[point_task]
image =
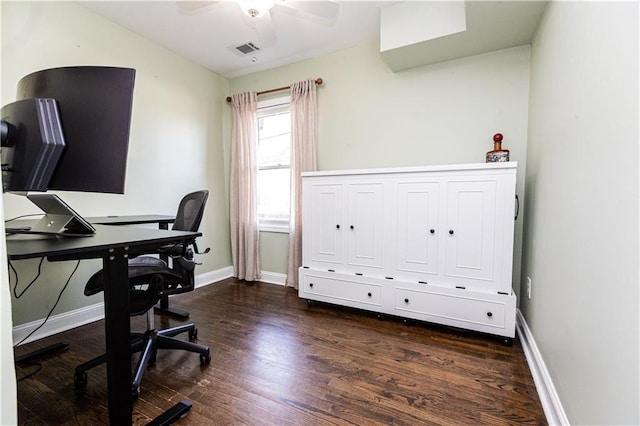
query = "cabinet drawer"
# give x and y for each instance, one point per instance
(343, 290)
(449, 309)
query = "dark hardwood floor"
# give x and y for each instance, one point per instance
(276, 361)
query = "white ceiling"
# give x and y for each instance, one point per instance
(206, 36)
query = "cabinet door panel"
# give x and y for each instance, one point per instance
(417, 225)
(470, 239)
(327, 243)
(365, 233)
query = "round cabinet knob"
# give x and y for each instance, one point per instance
(450, 231)
(433, 231)
(310, 284)
(337, 226)
(369, 294)
(352, 227)
(489, 314)
(406, 300)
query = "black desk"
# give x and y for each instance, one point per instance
(163, 221)
(114, 245)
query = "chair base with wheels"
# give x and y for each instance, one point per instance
(146, 281)
(163, 308)
(147, 344)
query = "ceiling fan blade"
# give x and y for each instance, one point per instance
(327, 9)
(265, 30)
(191, 7)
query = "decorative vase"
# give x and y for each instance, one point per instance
(498, 154)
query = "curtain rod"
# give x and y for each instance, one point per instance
(318, 80)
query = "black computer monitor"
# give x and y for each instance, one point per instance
(32, 143)
(95, 106)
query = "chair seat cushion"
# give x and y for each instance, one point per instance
(147, 261)
(148, 277)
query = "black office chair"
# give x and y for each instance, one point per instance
(188, 218)
(150, 279)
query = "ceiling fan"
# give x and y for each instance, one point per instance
(258, 13)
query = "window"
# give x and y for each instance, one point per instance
(274, 163)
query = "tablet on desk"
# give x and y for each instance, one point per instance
(59, 218)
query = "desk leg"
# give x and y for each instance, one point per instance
(117, 331)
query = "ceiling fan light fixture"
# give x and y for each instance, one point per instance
(256, 8)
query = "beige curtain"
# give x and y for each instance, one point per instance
(304, 140)
(243, 190)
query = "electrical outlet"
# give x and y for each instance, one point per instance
(529, 287)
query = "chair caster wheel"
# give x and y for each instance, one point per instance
(205, 358)
(309, 302)
(193, 334)
(135, 393)
(80, 380)
(507, 341)
(406, 321)
(380, 316)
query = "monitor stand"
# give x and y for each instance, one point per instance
(59, 218)
(59, 224)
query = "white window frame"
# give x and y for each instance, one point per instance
(266, 224)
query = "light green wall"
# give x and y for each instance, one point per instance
(440, 114)
(445, 113)
(175, 142)
(273, 252)
(581, 218)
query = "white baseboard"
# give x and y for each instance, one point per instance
(85, 315)
(273, 277)
(213, 276)
(58, 323)
(221, 274)
(265, 277)
(551, 403)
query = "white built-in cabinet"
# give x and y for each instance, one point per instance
(428, 243)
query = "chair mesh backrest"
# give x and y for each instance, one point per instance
(190, 211)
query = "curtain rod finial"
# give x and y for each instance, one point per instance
(319, 80)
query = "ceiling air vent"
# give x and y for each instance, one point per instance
(246, 48)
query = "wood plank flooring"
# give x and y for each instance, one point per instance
(277, 361)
